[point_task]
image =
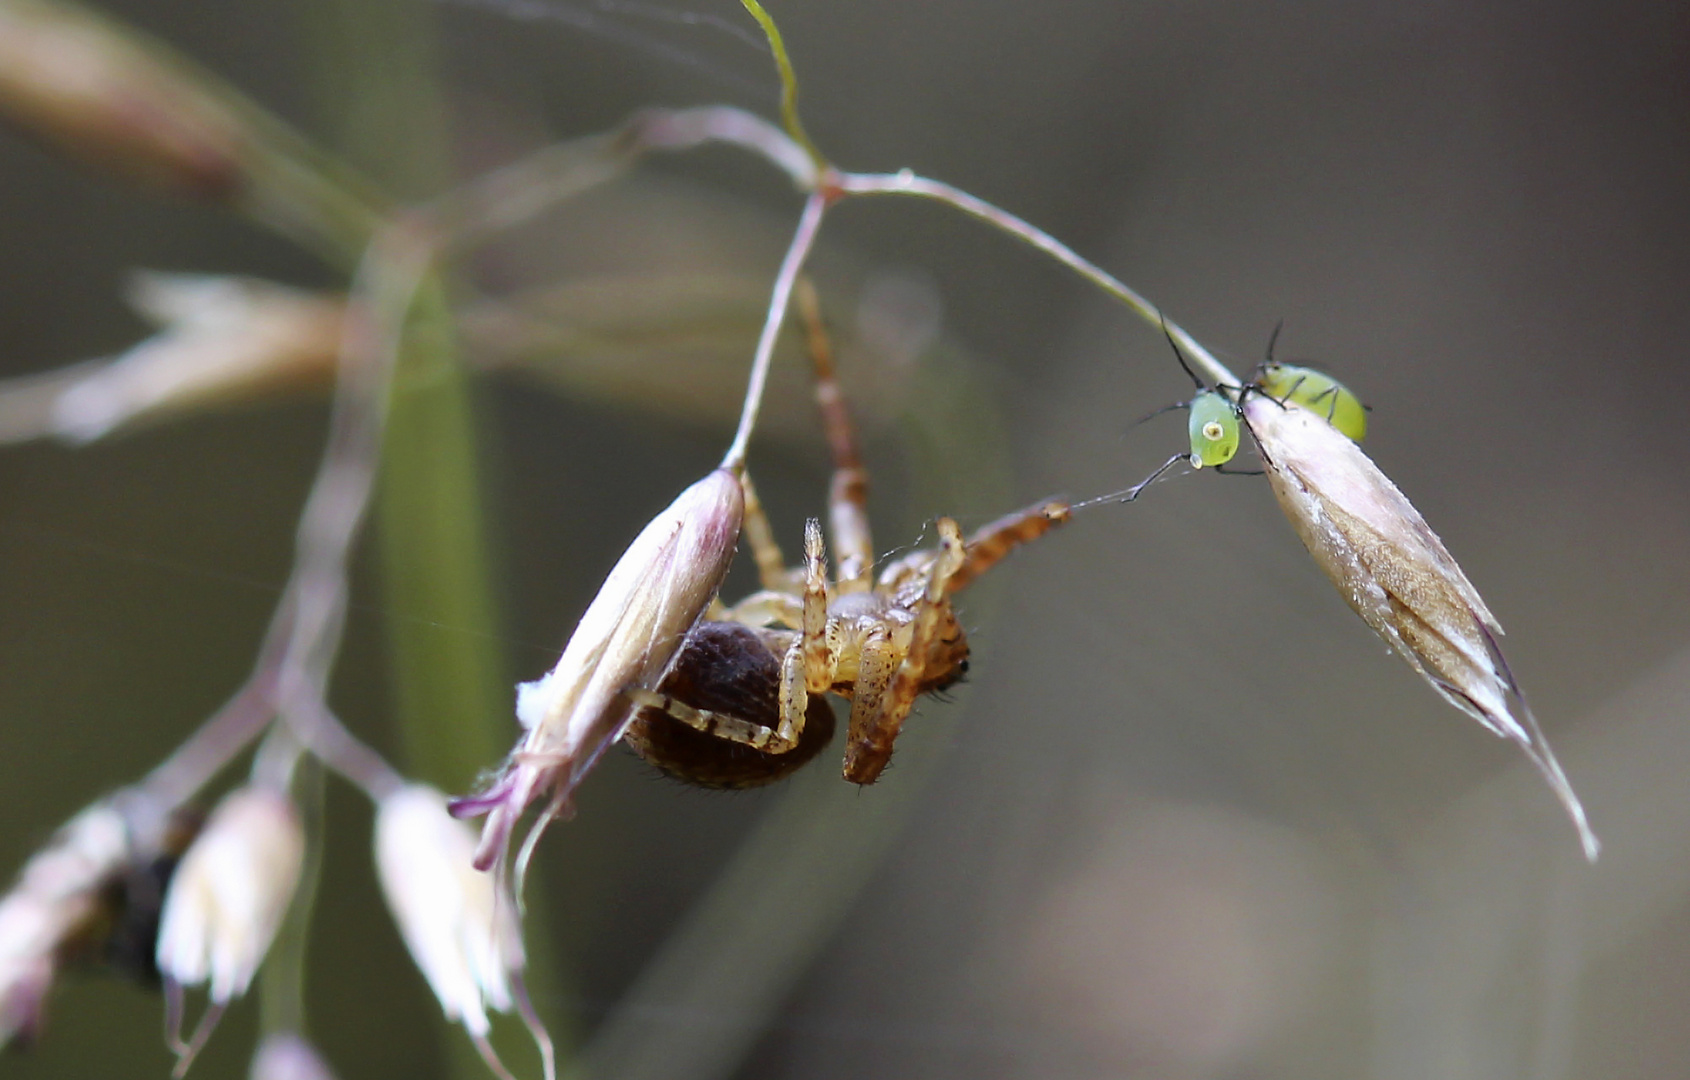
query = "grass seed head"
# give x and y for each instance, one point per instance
(461, 933)
(1393, 570)
(220, 339)
(79, 85)
(226, 901)
(286, 1055)
(56, 898)
(627, 638)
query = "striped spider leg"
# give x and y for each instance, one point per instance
(744, 703)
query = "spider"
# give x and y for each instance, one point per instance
(744, 702)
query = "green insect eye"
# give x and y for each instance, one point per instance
(1214, 429)
(1317, 392)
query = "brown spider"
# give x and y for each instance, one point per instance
(743, 703)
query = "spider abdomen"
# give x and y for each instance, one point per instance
(729, 669)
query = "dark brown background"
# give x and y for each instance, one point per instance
(1193, 822)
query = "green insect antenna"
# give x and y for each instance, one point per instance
(1185, 367)
(1273, 338)
(1214, 418)
(1214, 428)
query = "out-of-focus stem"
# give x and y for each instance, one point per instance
(192, 765)
(282, 979)
(529, 186)
(509, 196)
(376, 70)
(451, 694)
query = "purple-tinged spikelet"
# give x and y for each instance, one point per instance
(626, 639)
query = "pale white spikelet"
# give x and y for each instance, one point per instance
(626, 639)
(221, 338)
(1394, 571)
(463, 937)
(226, 902)
(57, 894)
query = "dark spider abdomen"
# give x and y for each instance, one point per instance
(728, 668)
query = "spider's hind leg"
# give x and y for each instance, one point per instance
(719, 718)
(720, 724)
(726, 682)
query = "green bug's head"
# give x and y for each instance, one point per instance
(1318, 392)
(1214, 429)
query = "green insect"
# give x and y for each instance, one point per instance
(1216, 418)
(1315, 390)
(1215, 429)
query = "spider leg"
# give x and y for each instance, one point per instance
(807, 666)
(767, 607)
(771, 564)
(847, 503)
(869, 745)
(816, 656)
(725, 725)
(877, 666)
(996, 539)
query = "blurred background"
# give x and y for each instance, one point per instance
(1187, 819)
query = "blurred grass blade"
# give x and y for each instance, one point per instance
(114, 98)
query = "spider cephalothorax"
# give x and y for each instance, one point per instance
(743, 703)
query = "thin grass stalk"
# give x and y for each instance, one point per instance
(376, 68)
(281, 983)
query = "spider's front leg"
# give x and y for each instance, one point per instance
(991, 542)
(847, 500)
(817, 657)
(808, 666)
(805, 667)
(876, 719)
